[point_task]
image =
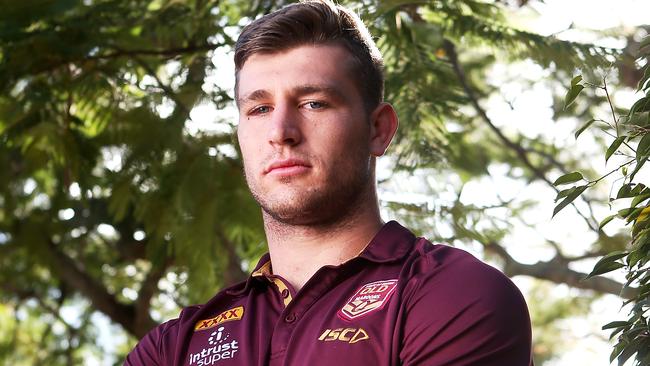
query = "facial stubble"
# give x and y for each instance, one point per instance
(335, 199)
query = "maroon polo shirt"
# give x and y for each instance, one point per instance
(402, 301)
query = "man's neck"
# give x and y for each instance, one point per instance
(298, 251)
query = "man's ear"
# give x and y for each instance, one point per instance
(383, 124)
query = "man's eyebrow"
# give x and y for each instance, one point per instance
(258, 94)
(299, 91)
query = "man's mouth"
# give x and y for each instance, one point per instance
(287, 167)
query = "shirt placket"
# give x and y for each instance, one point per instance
(296, 305)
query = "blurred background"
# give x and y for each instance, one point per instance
(121, 190)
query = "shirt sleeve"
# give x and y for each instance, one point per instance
(463, 312)
(149, 351)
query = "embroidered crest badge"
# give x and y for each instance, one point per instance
(370, 297)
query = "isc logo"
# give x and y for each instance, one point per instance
(348, 335)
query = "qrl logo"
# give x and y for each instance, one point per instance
(373, 289)
(348, 335)
(370, 297)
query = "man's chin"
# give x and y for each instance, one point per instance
(290, 215)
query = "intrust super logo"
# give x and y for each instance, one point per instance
(347, 335)
(228, 315)
(221, 346)
(370, 297)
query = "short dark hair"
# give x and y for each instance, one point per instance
(316, 22)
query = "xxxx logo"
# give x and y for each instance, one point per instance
(348, 335)
(228, 315)
(370, 297)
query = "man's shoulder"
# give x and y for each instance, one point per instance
(461, 310)
(444, 270)
(194, 313)
(159, 344)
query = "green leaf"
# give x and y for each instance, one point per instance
(643, 148)
(584, 127)
(120, 199)
(637, 168)
(624, 212)
(641, 105)
(638, 199)
(639, 214)
(569, 198)
(628, 351)
(605, 268)
(616, 351)
(576, 80)
(568, 178)
(625, 191)
(630, 213)
(607, 264)
(615, 324)
(614, 146)
(563, 193)
(614, 333)
(632, 259)
(643, 83)
(605, 221)
(572, 94)
(631, 190)
(638, 189)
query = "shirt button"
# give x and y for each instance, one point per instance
(290, 318)
(285, 293)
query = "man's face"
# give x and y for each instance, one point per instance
(304, 134)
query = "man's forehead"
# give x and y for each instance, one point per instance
(315, 65)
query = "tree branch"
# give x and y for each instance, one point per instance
(168, 91)
(143, 321)
(116, 53)
(171, 52)
(521, 153)
(558, 272)
(70, 273)
(234, 272)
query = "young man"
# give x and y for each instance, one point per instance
(338, 287)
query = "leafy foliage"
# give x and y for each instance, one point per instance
(113, 202)
(631, 142)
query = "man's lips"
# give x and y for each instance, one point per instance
(287, 166)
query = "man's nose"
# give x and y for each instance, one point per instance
(285, 126)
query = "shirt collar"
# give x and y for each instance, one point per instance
(263, 267)
(261, 271)
(391, 243)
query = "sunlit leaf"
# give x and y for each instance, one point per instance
(643, 148)
(584, 127)
(568, 178)
(615, 324)
(569, 198)
(572, 94)
(607, 264)
(614, 146)
(605, 221)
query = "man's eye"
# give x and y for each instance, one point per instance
(261, 110)
(315, 105)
